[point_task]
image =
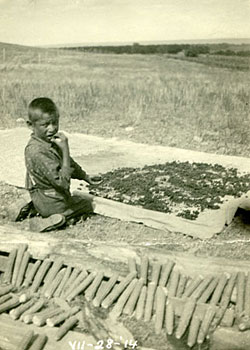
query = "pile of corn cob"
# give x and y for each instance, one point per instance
(178, 304)
(43, 292)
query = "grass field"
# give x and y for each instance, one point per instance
(150, 99)
(145, 98)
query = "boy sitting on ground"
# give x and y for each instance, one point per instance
(50, 168)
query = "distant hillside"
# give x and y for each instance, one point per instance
(15, 54)
(216, 54)
(157, 42)
(17, 46)
(187, 49)
(239, 41)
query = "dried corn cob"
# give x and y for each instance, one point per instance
(131, 303)
(244, 325)
(20, 252)
(91, 291)
(156, 270)
(240, 293)
(39, 343)
(100, 288)
(185, 318)
(41, 318)
(40, 275)
(165, 273)
(27, 318)
(55, 268)
(193, 330)
(115, 293)
(29, 277)
(16, 313)
(47, 308)
(206, 321)
(5, 289)
(173, 283)
(81, 276)
(132, 265)
(225, 299)
(192, 286)
(67, 325)
(226, 296)
(26, 296)
(118, 308)
(169, 317)
(9, 304)
(63, 281)
(7, 276)
(26, 341)
(219, 289)
(75, 273)
(51, 289)
(28, 314)
(104, 291)
(234, 295)
(81, 287)
(23, 267)
(181, 286)
(208, 292)
(149, 301)
(228, 317)
(201, 288)
(247, 295)
(139, 312)
(57, 319)
(160, 309)
(144, 269)
(5, 297)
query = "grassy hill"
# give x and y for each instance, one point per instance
(20, 54)
(159, 99)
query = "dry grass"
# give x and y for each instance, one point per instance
(162, 100)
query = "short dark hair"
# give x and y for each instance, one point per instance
(41, 105)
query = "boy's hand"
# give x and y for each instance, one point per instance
(61, 141)
(93, 179)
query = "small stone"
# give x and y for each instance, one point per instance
(20, 120)
(197, 139)
(129, 128)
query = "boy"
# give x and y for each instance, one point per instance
(50, 168)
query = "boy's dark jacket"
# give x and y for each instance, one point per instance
(45, 179)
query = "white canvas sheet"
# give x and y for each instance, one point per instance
(98, 155)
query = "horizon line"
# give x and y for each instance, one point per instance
(140, 42)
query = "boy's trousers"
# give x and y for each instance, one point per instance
(49, 202)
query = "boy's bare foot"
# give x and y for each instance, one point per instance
(53, 222)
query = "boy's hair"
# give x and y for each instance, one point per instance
(39, 106)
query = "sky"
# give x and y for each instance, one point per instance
(51, 22)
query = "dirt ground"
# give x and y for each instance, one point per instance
(233, 242)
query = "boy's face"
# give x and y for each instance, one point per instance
(46, 126)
